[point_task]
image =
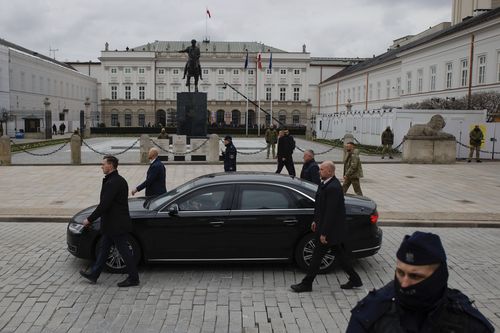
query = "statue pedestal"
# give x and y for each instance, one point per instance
(429, 150)
(192, 114)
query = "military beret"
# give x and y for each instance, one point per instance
(421, 248)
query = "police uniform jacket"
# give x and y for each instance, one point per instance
(230, 157)
(113, 205)
(378, 312)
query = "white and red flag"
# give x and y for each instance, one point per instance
(259, 61)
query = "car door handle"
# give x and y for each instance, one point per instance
(290, 222)
(216, 224)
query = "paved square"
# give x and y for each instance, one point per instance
(41, 290)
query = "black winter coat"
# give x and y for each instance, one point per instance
(329, 212)
(378, 312)
(310, 172)
(113, 205)
(286, 145)
(230, 157)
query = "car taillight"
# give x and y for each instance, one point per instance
(374, 217)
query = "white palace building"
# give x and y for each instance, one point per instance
(138, 86)
(446, 62)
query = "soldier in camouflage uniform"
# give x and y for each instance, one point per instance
(387, 142)
(476, 138)
(352, 170)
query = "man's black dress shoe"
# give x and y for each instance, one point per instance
(351, 285)
(88, 276)
(301, 287)
(128, 283)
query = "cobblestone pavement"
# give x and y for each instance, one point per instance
(41, 290)
(114, 145)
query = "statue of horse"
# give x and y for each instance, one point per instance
(192, 69)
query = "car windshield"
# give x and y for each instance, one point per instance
(160, 201)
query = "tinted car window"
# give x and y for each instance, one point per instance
(164, 198)
(301, 201)
(263, 197)
(209, 198)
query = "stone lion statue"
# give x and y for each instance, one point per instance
(433, 129)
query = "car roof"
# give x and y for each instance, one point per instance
(248, 176)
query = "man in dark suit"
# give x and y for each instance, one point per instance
(286, 146)
(155, 177)
(115, 223)
(330, 230)
(310, 169)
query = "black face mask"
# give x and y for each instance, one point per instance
(425, 295)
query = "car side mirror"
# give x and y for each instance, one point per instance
(173, 210)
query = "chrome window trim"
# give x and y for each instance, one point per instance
(160, 211)
(367, 249)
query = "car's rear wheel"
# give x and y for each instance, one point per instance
(114, 261)
(304, 252)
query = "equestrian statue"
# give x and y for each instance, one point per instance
(192, 68)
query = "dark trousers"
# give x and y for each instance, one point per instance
(340, 256)
(121, 244)
(287, 163)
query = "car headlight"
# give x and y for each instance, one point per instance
(75, 228)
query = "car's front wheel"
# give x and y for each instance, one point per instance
(304, 252)
(114, 261)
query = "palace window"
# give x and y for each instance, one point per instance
(296, 94)
(433, 77)
(449, 75)
(114, 92)
(114, 119)
(236, 72)
(128, 70)
(283, 71)
(420, 80)
(482, 69)
(128, 90)
(268, 93)
(128, 120)
(464, 64)
(296, 72)
(161, 71)
(142, 92)
(142, 70)
(408, 83)
(282, 94)
(113, 70)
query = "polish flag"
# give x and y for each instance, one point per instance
(259, 61)
(208, 13)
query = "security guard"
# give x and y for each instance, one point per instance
(418, 300)
(229, 155)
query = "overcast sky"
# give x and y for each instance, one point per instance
(329, 28)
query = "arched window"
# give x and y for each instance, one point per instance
(251, 118)
(161, 118)
(296, 118)
(220, 117)
(235, 118)
(282, 117)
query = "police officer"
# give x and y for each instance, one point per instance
(229, 155)
(418, 300)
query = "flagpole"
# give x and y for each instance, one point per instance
(206, 24)
(258, 99)
(246, 94)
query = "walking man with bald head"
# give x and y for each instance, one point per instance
(155, 183)
(330, 229)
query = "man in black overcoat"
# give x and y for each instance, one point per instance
(329, 227)
(155, 177)
(115, 223)
(286, 146)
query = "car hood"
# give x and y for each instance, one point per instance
(135, 206)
